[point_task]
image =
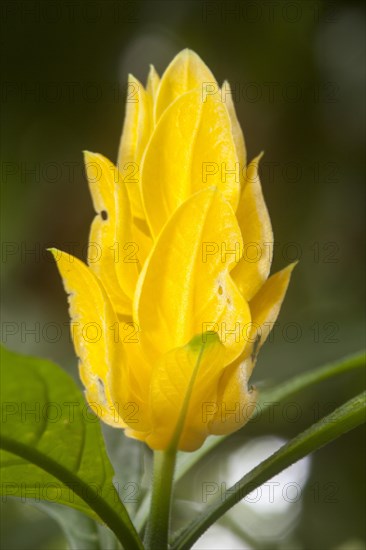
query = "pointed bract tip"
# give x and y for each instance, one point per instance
(187, 53)
(88, 154)
(132, 78)
(54, 251)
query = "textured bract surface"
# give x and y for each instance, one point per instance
(184, 250)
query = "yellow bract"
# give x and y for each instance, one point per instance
(255, 224)
(192, 147)
(169, 315)
(184, 290)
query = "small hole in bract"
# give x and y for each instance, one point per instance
(104, 215)
(101, 390)
(220, 291)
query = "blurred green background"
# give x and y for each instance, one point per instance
(298, 72)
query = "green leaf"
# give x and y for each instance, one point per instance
(52, 447)
(80, 530)
(342, 420)
(127, 456)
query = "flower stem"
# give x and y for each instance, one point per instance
(157, 531)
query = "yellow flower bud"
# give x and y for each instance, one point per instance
(169, 314)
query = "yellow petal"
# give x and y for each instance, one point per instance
(265, 308)
(130, 394)
(182, 383)
(143, 240)
(255, 225)
(235, 126)
(185, 287)
(266, 305)
(152, 84)
(128, 260)
(136, 132)
(186, 72)
(93, 321)
(191, 148)
(111, 237)
(235, 403)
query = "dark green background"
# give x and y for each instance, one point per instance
(299, 71)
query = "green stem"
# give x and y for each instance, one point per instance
(157, 530)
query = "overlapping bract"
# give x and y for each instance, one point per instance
(175, 302)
